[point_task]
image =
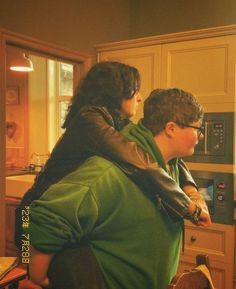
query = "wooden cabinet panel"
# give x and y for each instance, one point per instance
(11, 204)
(218, 243)
(204, 67)
(147, 60)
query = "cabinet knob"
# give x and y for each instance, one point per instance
(193, 238)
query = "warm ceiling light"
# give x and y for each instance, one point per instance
(22, 63)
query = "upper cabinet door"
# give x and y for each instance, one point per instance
(147, 60)
(204, 67)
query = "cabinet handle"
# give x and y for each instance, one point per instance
(193, 239)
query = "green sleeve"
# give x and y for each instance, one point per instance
(63, 215)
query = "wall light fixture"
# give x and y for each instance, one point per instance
(22, 63)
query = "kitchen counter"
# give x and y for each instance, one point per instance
(16, 171)
(17, 185)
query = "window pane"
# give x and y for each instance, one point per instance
(65, 79)
(62, 112)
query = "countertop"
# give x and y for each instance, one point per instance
(17, 171)
(18, 185)
(18, 181)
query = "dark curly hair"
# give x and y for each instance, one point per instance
(174, 104)
(106, 84)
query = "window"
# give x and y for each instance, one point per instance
(60, 92)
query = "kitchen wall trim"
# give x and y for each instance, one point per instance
(168, 38)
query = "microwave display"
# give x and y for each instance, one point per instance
(219, 126)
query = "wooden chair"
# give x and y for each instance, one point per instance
(193, 279)
(11, 280)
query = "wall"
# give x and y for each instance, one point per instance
(155, 17)
(38, 111)
(74, 24)
(16, 114)
(80, 24)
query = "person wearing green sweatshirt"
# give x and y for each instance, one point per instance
(133, 238)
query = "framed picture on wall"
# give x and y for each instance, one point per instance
(12, 95)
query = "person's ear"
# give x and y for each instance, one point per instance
(170, 128)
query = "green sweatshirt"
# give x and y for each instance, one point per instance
(133, 239)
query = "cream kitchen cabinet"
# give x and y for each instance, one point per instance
(147, 60)
(218, 243)
(204, 65)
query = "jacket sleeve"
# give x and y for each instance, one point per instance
(185, 177)
(53, 226)
(95, 126)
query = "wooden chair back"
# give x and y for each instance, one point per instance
(192, 279)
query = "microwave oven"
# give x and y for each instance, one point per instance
(217, 144)
(217, 189)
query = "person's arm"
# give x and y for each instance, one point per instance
(53, 226)
(38, 267)
(204, 219)
(185, 177)
(96, 128)
(190, 188)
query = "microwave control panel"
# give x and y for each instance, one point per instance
(217, 190)
(217, 144)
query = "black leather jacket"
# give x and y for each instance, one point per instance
(91, 132)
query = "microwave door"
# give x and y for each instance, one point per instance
(202, 146)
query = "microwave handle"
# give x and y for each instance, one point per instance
(206, 138)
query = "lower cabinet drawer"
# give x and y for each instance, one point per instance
(216, 241)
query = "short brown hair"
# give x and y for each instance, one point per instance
(174, 104)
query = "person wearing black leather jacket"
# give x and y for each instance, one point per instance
(92, 127)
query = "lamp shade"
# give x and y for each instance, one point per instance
(22, 63)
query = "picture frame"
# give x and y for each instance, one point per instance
(12, 95)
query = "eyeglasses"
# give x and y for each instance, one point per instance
(200, 129)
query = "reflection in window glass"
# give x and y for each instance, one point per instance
(65, 79)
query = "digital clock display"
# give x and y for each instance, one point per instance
(218, 125)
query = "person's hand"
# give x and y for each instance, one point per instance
(204, 219)
(38, 267)
(45, 283)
